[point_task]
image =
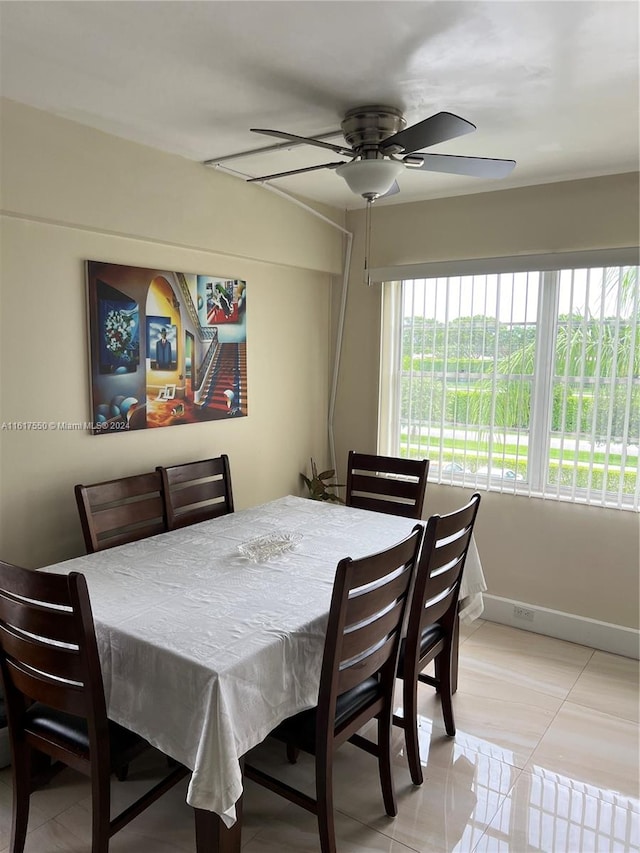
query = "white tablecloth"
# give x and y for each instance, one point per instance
(473, 585)
(204, 652)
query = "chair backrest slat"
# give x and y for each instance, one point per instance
(451, 524)
(197, 491)
(147, 513)
(118, 511)
(357, 641)
(67, 697)
(438, 607)
(112, 491)
(374, 600)
(385, 486)
(446, 553)
(388, 484)
(50, 622)
(54, 661)
(355, 674)
(190, 471)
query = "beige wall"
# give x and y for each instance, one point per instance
(580, 560)
(567, 216)
(71, 194)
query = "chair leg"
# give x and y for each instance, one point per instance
(446, 686)
(455, 643)
(410, 713)
(384, 764)
(292, 753)
(455, 653)
(21, 796)
(101, 806)
(122, 773)
(324, 797)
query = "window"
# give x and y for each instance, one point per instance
(525, 381)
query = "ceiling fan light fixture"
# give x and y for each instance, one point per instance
(370, 178)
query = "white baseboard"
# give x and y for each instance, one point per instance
(565, 626)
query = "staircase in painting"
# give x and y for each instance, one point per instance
(227, 375)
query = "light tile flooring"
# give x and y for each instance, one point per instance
(546, 758)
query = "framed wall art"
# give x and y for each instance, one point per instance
(166, 348)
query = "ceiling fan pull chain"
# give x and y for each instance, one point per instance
(367, 243)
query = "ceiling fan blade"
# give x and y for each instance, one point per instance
(393, 189)
(475, 167)
(438, 128)
(309, 140)
(297, 171)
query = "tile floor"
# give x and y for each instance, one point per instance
(546, 758)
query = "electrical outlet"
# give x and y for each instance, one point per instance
(523, 613)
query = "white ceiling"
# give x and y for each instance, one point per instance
(551, 84)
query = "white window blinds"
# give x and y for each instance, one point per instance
(526, 381)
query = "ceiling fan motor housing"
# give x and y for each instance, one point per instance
(365, 128)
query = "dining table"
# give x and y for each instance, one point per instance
(211, 635)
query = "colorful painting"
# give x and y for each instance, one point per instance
(118, 323)
(162, 344)
(166, 348)
(217, 304)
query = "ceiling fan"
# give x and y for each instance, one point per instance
(382, 147)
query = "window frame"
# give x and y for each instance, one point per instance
(540, 434)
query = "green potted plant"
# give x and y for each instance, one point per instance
(319, 487)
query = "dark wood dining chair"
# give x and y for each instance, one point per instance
(55, 698)
(433, 621)
(197, 491)
(119, 511)
(386, 484)
(357, 678)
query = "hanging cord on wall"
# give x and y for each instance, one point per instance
(343, 297)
